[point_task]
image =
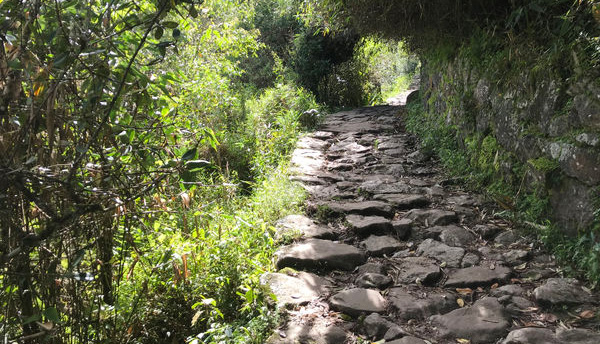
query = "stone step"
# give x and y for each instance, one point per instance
(357, 301)
(366, 208)
(483, 322)
(317, 254)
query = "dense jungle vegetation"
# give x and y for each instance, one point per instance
(143, 159)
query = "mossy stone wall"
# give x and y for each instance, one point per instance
(550, 124)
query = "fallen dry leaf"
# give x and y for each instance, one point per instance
(460, 302)
(587, 314)
(463, 341)
(464, 291)
(494, 286)
(516, 280)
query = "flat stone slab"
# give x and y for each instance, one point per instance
(422, 269)
(364, 225)
(403, 201)
(379, 245)
(533, 335)
(456, 236)
(300, 225)
(373, 280)
(477, 276)
(409, 306)
(441, 252)
(561, 291)
(433, 217)
(308, 142)
(357, 301)
(379, 188)
(314, 333)
(366, 208)
(295, 290)
(317, 254)
(484, 322)
(402, 227)
(577, 336)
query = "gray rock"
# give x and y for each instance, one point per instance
(531, 335)
(375, 268)
(376, 187)
(301, 225)
(380, 245)
(358, 300)
(403, 201)
(311, 143)
(292, 291)
(373, 280)
(432, 232)
(456, 236)
(364, 225)
(577, 336)
(561, 291)
(441, 252)
(509, 289)
(462, 200)
(516, 304)
(433, 217)
(402, 228)
(477, 276)
(506, 238)
(315, 333)
(515, 257)
(376, 326)
(419, 182)
(470, 259)
(411, 269)
(366, 208)
(408, 340)
(394, 332)
(435, 191)
(320, 254)
(487, 232)
(484, 322)
(546, 336)
(409, 306)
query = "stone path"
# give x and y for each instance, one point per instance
(392, 251)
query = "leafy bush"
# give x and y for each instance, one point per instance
(273, 124)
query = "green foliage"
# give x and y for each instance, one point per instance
(481, 162)
(139, 179)
(273, 124)
(578, 256)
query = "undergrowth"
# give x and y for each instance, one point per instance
(486, 167)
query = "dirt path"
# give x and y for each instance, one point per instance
(392, 250)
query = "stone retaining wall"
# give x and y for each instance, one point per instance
(549, 120)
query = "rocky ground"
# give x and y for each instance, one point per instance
(391, 250)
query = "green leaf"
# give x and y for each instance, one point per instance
(193, 12)
(159, 32)
(176, 33)
(170, 24)
(61, 59)
(51, 314)
(189, 155)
